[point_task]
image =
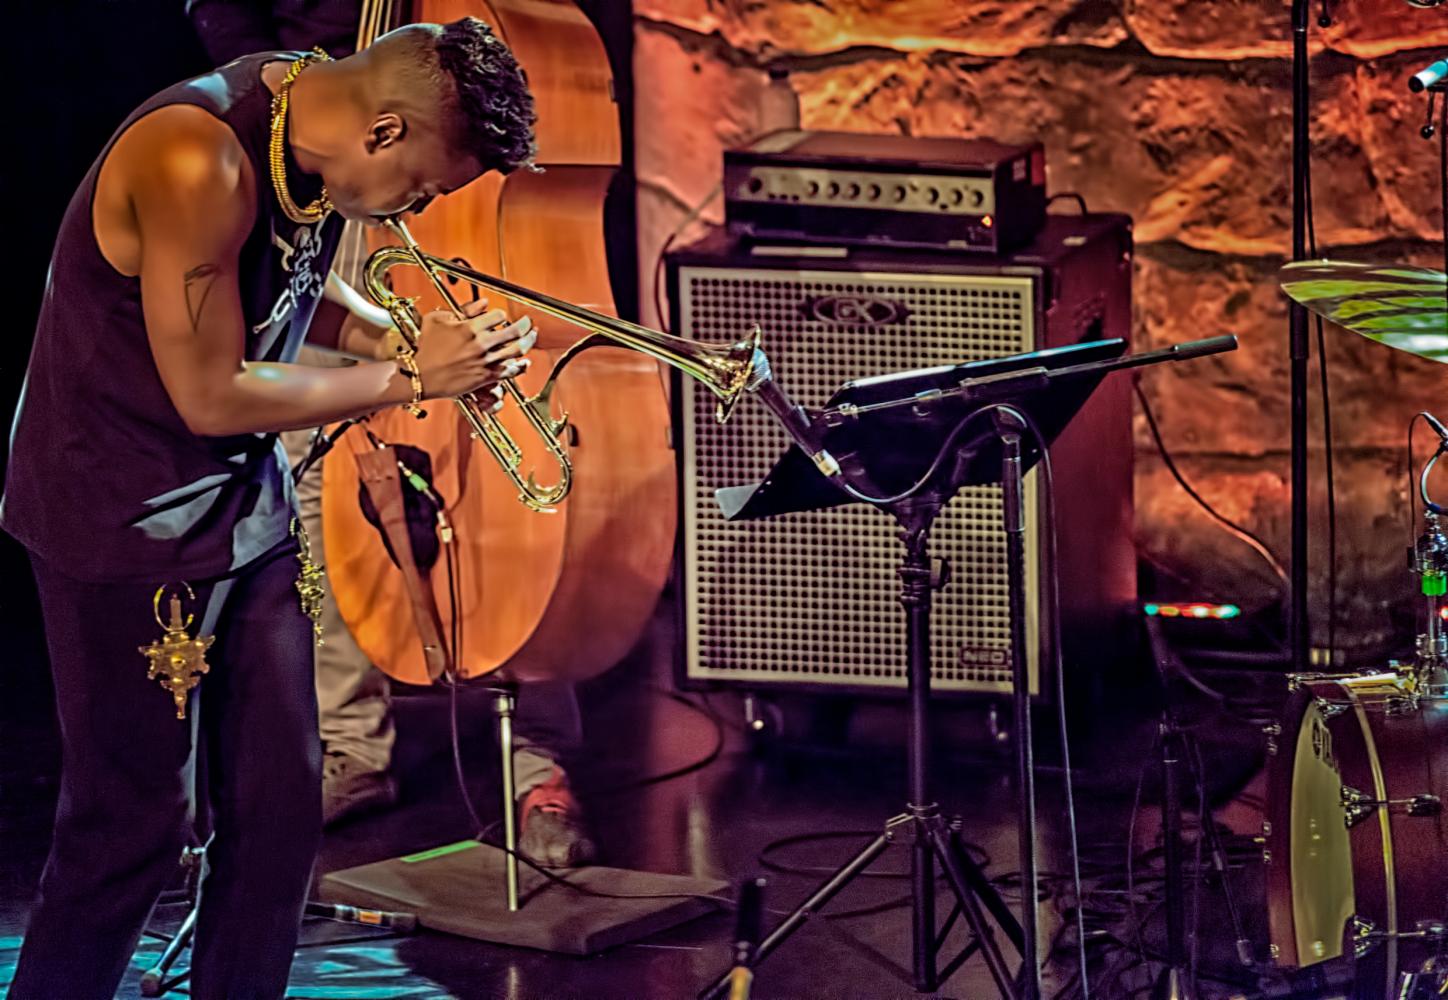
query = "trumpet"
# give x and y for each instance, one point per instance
(727, 370)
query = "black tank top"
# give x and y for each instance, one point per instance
(104, 480)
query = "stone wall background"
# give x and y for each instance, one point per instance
(1178, 113)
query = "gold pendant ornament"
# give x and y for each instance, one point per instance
(177, 660)
(309, 580)
(276, 151)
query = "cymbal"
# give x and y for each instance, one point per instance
(1397, 305)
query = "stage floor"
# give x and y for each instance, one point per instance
(829, 772)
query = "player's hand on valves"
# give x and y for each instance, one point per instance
(457, 356)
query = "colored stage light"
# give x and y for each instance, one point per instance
(1195, 609)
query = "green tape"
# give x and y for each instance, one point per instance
(437, 852)
(1435, 584)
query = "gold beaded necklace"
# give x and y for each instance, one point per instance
(319, 208)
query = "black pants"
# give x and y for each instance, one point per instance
(126, 792)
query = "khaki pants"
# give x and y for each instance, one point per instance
(353, 696)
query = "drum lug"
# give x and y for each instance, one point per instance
(1274, 952)
(1364, 936)
(1398, 707)
(1357, 806)
(1330, 709)
(1272, 730)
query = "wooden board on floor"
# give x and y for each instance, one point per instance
(459, 889)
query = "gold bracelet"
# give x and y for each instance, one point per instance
(408, 366)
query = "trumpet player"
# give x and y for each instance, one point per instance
(146, 481)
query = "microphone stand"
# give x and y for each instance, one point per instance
(1301, 634)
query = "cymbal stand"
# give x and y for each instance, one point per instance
(1429, 558)
(1175, 981)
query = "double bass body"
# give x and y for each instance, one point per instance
(561, 595)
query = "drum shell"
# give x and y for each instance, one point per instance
(1385, 748)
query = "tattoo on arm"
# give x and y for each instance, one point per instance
(198, 286)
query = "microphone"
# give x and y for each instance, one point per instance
(1333, 977)
(746, 936)
(794, 418)
(1425, 78)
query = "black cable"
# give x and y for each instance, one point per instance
(1412, 486)
(1242, 533)
(478, 825)
(945, 451)
(320, 444)
(1428, 504)
(481, 837)
(1069, 196)
(678, 772)
(668, 244)
(1196, 923)
(1331, 496)
(1326, 439)
(1136, 922)
(763, 859)
(1048, 484)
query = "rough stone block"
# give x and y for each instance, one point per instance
(770, 28)
(1197, 157)
(1243, 29)
(1231, 404)
(1376, 606)
(693, 107)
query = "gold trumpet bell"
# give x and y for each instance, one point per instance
(728, 371)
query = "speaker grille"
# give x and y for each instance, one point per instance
(812, 599)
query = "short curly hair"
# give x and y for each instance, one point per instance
(492, 111)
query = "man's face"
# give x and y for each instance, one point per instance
(395, 170)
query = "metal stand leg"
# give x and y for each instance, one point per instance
(153, 981)
(1174, 983)
(932, 841)
(916, 586)
(947, 849)
(1009, 426)
(504, 702)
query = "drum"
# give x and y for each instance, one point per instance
(1355, 833)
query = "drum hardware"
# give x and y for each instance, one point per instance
(1429, 983)
(1176, 981)
(1363, 934)
(1358, 806)
(1424, 930)
(1431, 979)
(1429, 557)
(1362, 747)
(1400, 706)
(1272, 730)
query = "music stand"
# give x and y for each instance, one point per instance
(906, 444)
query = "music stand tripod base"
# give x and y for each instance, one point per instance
(901, 446)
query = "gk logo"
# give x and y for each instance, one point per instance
(855, 310)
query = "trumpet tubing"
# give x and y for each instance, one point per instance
(727, 370)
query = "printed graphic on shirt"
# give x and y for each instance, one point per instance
(300, 259)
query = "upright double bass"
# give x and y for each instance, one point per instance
(544, 595)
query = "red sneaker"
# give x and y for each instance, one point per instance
(551, 828)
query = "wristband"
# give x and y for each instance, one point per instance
(407, 364)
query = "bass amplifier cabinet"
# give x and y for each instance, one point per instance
(810, 601)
